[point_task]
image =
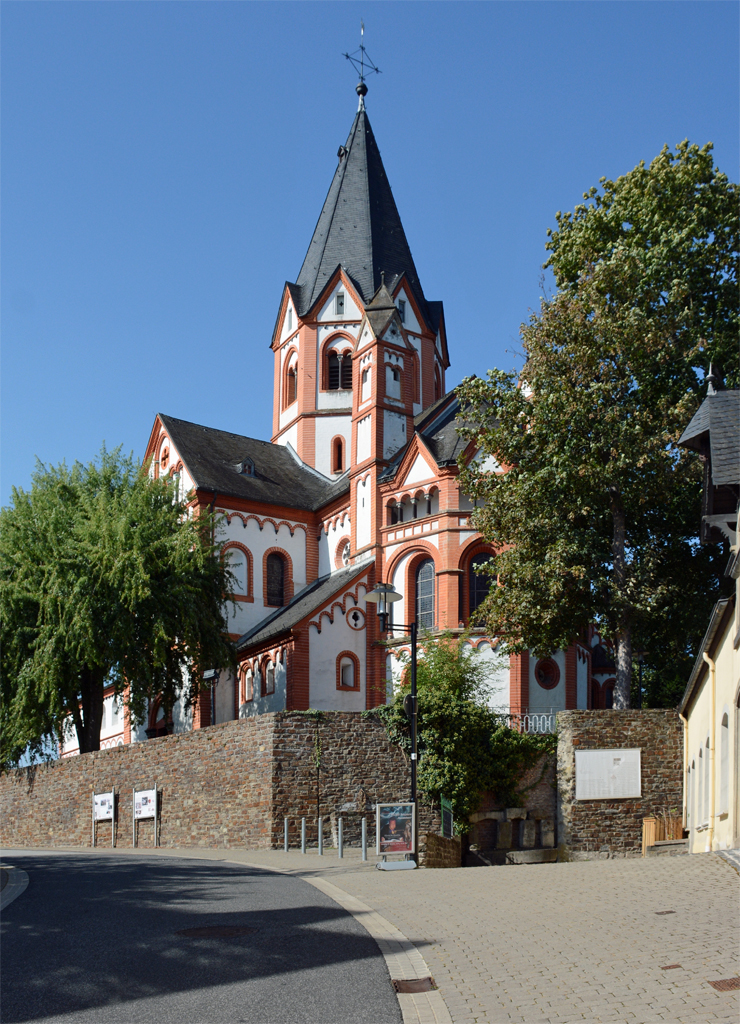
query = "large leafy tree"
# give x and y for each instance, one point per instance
(105, 578)
(465, 747)
(597, 509)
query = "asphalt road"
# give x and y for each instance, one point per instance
(95, 940)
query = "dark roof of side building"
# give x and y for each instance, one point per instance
(213, 459)
(718, 421)
(436, 426)
(720, 614)
(308, 600)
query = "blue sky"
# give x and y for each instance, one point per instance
(164, 164)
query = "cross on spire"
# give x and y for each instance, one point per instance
(363, 65)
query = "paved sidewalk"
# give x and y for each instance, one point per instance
(555, 943)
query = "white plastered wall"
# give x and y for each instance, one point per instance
(364, 512)
(324, 649)
(327, 428)
(394, 432)
(541, 699)
(328, 542)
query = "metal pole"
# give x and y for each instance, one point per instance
(321, 838)
(303, 835)
(414, 629)
(340, 828)
(113, 820)
(364, 838)
(285, 834)
(156, 815)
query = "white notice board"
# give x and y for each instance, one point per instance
(608, 774)
(145, 803)
(103, 806)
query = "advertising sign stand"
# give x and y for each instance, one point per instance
(395, 832)
(104, 809)
(145, 805)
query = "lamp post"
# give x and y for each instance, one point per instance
(383, 595)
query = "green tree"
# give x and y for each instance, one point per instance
(465, 747)
(597, 512)
(104, 579)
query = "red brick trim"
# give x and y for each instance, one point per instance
(356, 661)
(287, 578)
(550, 670)
(261, 520)
(249, 596)
(519, 682)
(326, 345)
(338, 563)
(298, 696)
(285, 404)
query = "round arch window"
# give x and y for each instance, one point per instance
(547, 673)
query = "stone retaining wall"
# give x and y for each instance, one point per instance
(224, 786)
(591, 829)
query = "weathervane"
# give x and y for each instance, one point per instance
(363, 65)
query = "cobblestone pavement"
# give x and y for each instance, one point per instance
(556, 943)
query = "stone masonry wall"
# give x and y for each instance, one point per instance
(229, 785)
(591, 829)
(531, 826)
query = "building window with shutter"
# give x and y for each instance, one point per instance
(275, 572)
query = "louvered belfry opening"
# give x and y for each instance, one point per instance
(275, 569)
(340, 372)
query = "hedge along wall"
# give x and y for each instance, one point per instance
(591, 829)
(224, 786)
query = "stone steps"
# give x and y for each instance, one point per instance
(668, 848)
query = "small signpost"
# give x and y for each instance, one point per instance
(395, 832)
(146, 805)
(104, 809)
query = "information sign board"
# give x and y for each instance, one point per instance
(608, 774)
(145, 804)
(394, 827)
(103, 804)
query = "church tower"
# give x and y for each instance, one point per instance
(341, 399)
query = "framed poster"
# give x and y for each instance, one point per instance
(103, 804)
(145, 804)
(395, 828)
(608, 774)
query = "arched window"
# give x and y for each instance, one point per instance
(339, 375)
(249, 685)
(275, 571)
(480, 582)
(337, 455)
(707, 782)
(269, 678)
(724, 764)
(392, 381)
(425, 594)
(348, 671)
(290, 386)
(366, 383)
(609, 698)
(239, 569)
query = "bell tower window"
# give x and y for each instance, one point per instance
(290, 386)
(337, 455)
(339, 367)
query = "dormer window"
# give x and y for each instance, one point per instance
(339, 304)
(245, 467)
(402, 310)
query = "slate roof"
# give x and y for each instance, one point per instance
(359, 228)
(211, 457)
(719, 418)
(437, 429)
(308, 600)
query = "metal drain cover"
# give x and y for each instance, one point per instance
(413, 984)
(726, 985)
(219, 931)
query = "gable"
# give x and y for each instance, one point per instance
(419, 472)
(327, 311)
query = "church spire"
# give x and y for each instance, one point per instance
(359, 227)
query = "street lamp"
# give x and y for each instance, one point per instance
(383, 595)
